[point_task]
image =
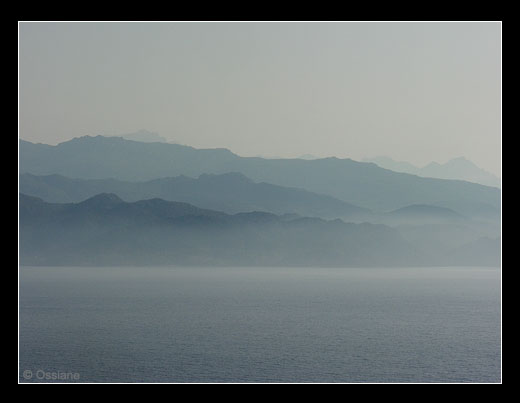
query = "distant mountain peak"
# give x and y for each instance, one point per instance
(461, 159)
(102, 200)
(459, 168)
(144, 136)
(235, 176)
(308, 157)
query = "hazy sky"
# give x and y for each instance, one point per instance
(417, 92)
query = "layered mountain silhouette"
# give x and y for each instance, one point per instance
(231, 193)
(362, 184)
(109, 200)
(421, 214)
(105, 230)
(144, 136)
(439, 231)
(456, 168)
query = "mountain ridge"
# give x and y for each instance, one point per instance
(104, 230)
(458, 168)
(230, 192)
(155, 231)
(359, 183)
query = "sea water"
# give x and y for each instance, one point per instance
(192, 324)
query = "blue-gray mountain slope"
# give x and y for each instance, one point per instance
(362, 184)
(105, 230)
(230, 193)
(456, 168)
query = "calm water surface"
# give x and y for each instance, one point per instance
(129, 324)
